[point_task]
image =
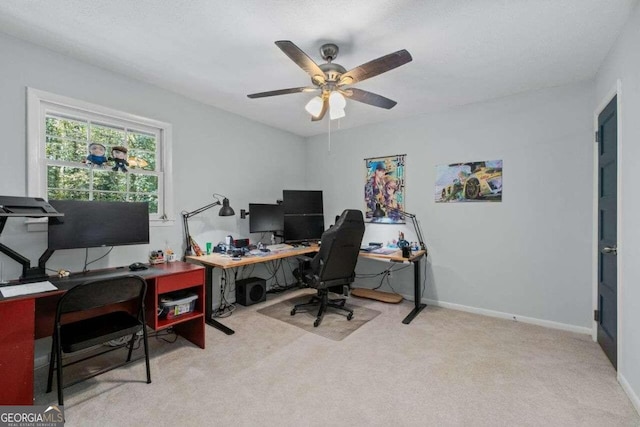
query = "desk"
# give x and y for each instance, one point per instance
(415, 259)
(224, 262)
(28, 317)
(216, 260)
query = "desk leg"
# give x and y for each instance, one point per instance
(208, 312)
(416, 293)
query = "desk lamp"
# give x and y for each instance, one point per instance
(225, 210)
(379, 213)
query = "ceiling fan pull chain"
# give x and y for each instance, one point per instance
(329, 140)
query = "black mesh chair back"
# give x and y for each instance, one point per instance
(94, 313)
(334, 264)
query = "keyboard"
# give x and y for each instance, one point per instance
(279, 247)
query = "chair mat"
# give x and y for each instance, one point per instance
(334, 326)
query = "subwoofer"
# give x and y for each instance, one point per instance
(251, 291)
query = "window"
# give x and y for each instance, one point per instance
(83, 151)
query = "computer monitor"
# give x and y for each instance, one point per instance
(265, 218)
(91, 224)
(302, 202)
(303, 228)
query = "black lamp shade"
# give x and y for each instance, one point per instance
(226, 210)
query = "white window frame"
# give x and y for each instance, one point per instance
(40, 103)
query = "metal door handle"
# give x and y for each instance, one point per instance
(610, 250)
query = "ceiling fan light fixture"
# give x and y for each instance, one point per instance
(330, 78)
(314, 107)
(336, 113)
(337, 101)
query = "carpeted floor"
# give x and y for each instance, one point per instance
(447, 368)
(334, 325)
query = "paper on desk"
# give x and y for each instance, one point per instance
(384, 251)
(28, 288)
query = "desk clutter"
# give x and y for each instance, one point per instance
(160, 256)
(242, 247)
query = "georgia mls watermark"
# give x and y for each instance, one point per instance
(32, 416)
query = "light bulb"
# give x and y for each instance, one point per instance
(336, 113)
(337, 101)
(314, 107)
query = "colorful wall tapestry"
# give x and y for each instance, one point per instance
(384, 186)
(469, 182)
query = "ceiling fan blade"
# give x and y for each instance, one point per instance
(369, 98)
(325, 107)
(375, 67)
(302, 59)
(282, 92)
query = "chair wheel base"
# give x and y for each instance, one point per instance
(323, 302)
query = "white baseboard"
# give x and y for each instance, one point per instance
(633, 397)
(501, 315)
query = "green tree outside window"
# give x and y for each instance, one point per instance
(69, 176)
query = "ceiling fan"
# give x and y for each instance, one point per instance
(332, 80)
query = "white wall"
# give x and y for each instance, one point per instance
(213, 151)
(529, 255)
(623, 63)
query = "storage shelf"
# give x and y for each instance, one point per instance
(166, 323)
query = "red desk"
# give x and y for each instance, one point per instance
(26, 318)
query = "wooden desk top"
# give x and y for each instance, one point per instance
(395, 257)
(218, 260)
(225, 261)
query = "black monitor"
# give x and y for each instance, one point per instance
(91, 224)
(302, 202)
(265, 218)
(303, 228)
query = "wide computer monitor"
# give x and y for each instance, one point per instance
(303, 228)
(264, 218)
(298, 202)
(91, 224)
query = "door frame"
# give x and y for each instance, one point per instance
(616, 91)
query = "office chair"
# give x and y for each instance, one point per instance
(334, 265)
(94, 313)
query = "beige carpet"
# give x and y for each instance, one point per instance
(334, 326)
(447, 368)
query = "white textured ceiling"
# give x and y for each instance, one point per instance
(217, 52)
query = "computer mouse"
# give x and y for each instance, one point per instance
(137, 266)
(265, 250)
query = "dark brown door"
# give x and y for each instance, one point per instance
(607, 228)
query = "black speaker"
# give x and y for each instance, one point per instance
(251, 291)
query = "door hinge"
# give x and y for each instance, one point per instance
(596, 315)
(598, 136)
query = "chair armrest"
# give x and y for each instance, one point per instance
(304, 258)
